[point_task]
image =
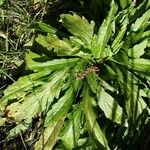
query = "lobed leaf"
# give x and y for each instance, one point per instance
(104, 33)
(39, 100)
(141, 22)
(138, 49)
(52, 42)
(92, 124)
(79, 27)
(22, 87)
(40, 26)
(50, 65)
(49, 136)
(59, 109)
(111, 108)
(71, 131)
(141, 65)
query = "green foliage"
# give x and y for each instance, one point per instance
(86, 86)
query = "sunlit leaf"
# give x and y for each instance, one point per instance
(79, 27)
(141, 65)
(138, 50)
(125, 3)
(142, 21)
(2, 121)
(117, 43)
(71, 130)
(52, 42)
(42, 27)
(22, 87)
(104, 33)
(110, 107)
(91, 119)
(135, 104)
(60, 109)
(19, 129)
(51, 65)
(39, 100)
(49, 136)
(1, 2)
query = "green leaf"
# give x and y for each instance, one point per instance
(52, 42)
(39, 100)
(93, 84)
(19, 129)
(117, 43)
(140, 65)
(134, 101)
(22, 87)
(110, 107)
(108, 73)
(141, 22)
(49, 136)
(104, 33)
(71, 131)
(134, 38)
(138, 50)
(2, 121)
(51, 65)
(90, 115)
(1, 2)
(60, 109)
(106, 102)
(79, 27)
(40, 26)
(125, 3)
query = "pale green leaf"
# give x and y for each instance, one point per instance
(60, 109)
(49, 136)
(79, 27)
(138, 50)
(2, 121)
(104, 33)
(38, 101)
(141, 22)
(71, 132)
(22, 87)
(1, 2)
